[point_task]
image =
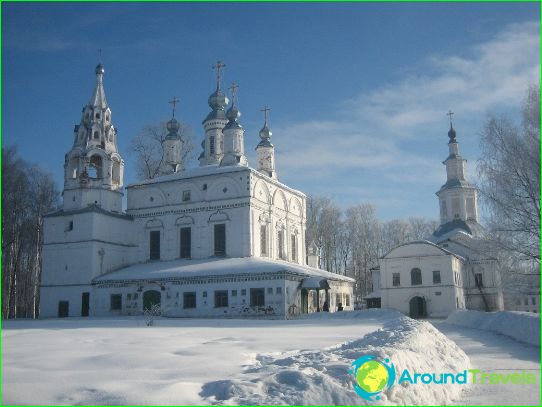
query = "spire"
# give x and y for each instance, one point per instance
(217, 100)
(451, 133)
(98, 96)
(172, 145)
(265, 149)
(233, 112)
(234, 147)
(265, 133)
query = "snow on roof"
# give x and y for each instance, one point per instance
(206, 170)
(212, 267)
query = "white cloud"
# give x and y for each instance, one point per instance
(379, 134)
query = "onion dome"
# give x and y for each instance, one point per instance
(451, 134)
(217, 100)
(100, 69)
(173, 127)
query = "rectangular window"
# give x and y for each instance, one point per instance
(294, 248)
(234, 293)
(347, 300)
(279, 290)
(280, 244)
(221, 299)
(220, 240)
(186, 243)
(189, 300)
(396, 279)
(269, 290)
(437, 293)
(154, 245)
(478, 280)
(204, 294)
(186, 196)
(263, 240)
(257, 297)
(69, 226)
(212, 145)
(243, 292)
(116, 302)
(436, 276)
(533, 301)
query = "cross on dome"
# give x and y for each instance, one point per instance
(218, 67)
(174, 102)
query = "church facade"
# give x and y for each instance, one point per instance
(222, 239)
(452, 269)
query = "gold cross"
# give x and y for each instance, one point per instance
(174, 103)
(265, 110)
(218, 67)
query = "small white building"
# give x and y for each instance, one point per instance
(452, 269)
(221, 239)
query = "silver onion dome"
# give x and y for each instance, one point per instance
(217, 100)
(100, 69)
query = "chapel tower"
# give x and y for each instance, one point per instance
(265, 149)
(213, 143)
(93, 168)
(233, 133)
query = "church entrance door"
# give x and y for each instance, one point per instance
(150, 298)
(418, 308)
(304, 301)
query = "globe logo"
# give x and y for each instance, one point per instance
(372, 376)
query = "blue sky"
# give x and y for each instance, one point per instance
(358, 91)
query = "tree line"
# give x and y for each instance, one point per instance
(352, 241)
(28, 193)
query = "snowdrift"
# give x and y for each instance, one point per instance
(321, 377)
(522, 326)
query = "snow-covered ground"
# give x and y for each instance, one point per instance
(233, 361)
(491, 352)
(122, 361)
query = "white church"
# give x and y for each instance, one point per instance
(222, 239)
(452, 269)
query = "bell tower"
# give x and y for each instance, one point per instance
(457, 197)
(265, 149)
(93, 168)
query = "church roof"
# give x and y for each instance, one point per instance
(90, 208)
(470, 227)
(175, 269)
(456, 183)
(422, 242)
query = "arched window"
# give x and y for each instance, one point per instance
(96, 135)
(415, 276)
(116, 171)
(95, 167)
(263, 240)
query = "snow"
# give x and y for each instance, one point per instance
(522, 326)
(235, 361)
(122, 361)
(320, 377)
(194, 361)
(490, 352)
(206, 267)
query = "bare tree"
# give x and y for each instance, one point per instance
(510, 187)
(148, 147)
